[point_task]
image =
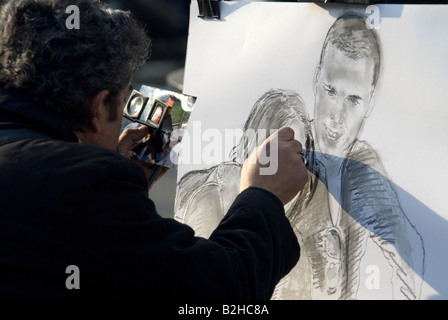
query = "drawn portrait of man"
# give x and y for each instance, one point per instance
(354, 201)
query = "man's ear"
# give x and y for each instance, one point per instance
(94, 104)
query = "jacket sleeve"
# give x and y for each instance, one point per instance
(125, 249)
(260, 244)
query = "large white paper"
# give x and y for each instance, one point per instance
(258, 46)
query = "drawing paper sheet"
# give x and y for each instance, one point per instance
(256, 46)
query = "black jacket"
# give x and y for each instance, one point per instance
(66, 203)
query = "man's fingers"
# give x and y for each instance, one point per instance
(296, 146)
(136, 134)
(285, 134)
(129, 139)
(290, 175)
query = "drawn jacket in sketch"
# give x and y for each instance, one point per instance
(204, 196)
(332, 253)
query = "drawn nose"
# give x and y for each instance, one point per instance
(336, 112)
(336, 118)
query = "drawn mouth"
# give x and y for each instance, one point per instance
(332, 135)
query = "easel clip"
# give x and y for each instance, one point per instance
(209, 9)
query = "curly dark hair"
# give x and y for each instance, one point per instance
(61, 68)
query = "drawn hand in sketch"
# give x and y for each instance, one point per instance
(354, 201)
(204, 196)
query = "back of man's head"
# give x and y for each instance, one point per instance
(61, 67)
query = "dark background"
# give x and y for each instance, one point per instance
(166, 22)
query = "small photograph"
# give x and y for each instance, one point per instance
(166, 113)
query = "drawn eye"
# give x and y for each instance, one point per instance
(353, 100)
(330, 91)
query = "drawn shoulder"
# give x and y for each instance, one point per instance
(363, 152)
(204, 196)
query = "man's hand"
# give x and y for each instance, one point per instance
(291, 175)
(128, 140)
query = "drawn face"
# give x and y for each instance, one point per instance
(342, 100)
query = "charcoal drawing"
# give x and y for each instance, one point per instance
(204, 196)
(354, 201)
(349, 204)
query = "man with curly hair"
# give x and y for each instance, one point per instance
(70, 197)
